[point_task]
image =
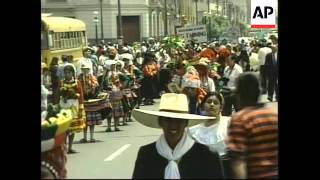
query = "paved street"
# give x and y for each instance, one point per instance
(114, 156)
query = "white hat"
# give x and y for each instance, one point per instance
(85, 66)
(108, 63)
(126, 56)
(172, 105)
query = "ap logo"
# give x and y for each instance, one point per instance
(263, 13)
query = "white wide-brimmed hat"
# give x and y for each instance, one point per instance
(172, 105)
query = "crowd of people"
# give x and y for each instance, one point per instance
(110, 82)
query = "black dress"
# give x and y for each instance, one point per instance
(198, 162)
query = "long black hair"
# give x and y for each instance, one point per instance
(218, 95)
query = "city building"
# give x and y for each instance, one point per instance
(142, 19)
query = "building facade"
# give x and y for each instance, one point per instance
(142, 19)
(136, 16)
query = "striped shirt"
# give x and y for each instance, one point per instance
(253, 135)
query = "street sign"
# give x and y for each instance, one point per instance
(196, 33)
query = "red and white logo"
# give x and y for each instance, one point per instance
(263, 13)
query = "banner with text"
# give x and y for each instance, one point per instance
(196, 33)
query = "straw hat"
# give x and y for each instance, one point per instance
(172, 105)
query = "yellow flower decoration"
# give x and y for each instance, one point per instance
(66, 113)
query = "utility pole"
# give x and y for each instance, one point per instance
(165, 19)
(101, 20)
(120, 36)
(196, 12)
(217, 5)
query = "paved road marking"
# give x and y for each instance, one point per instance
(117, 153)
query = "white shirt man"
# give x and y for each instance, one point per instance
(232, 75)
(262, 53)
(254, 61)
(82, 61)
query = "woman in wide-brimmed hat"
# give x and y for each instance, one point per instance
(175, 155)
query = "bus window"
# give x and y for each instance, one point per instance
(78, 39)
(44, 40)
(72, 39)
(50, 39)
(84, 38)
(68, 40)
(62, 39)
(58, 40)
(55, 41)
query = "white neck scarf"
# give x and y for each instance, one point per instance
(172, 170)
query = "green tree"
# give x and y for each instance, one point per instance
(218, 25)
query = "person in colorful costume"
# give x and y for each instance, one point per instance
(71, 97)
(90, 86)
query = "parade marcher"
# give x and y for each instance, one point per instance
(95, 60)
(116, 96)
(65, 61)
(132, 78)
(213, 133)
(231, 72)
(208, 53)
(150, 71)
(176, 85)
(102, 58)
(207, 84)
(53, 150)
(223, 54)
(127, 81)
(190, 87)
(164, 58)
(262, 53)
(54, 78)
(46, 77)
(271, 66)
(253, 134)
(71, 97)
(138, 60)
(44, 99)
(86, 59)
(175, 155)
(90, 87)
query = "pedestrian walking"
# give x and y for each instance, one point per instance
(231, 72)
(175, 155)
(253, 134)
(271, 66)
(262, 53)
(150, 71)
